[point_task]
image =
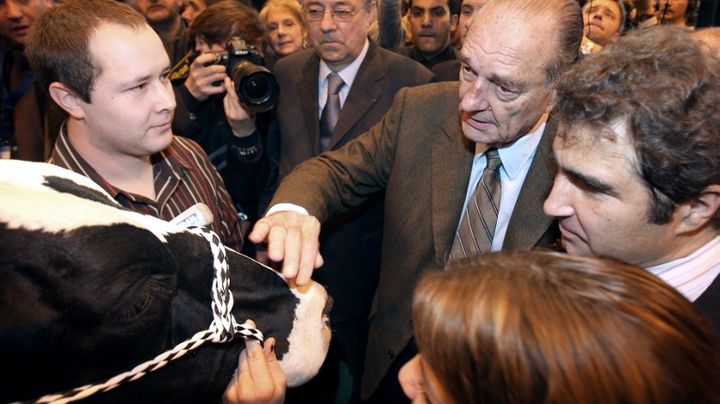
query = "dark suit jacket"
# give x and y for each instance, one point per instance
(350, 243)
(419, 155)
(709, 303)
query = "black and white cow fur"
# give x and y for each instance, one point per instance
(89, 290)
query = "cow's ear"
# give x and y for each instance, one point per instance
(67, 99)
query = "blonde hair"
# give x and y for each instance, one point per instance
(546, 327)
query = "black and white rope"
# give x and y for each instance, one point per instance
(222, 329)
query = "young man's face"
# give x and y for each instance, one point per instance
(672, 11)
(16, 17)
(467, 11)
(602, 202)
(132, 100)
(432, 25)
(602, 20)
(503, 81)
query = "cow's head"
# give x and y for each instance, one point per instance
(89, 290)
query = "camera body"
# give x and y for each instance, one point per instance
(254, 83)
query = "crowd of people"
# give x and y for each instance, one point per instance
(411, 151)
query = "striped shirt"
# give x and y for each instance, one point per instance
(183, 176)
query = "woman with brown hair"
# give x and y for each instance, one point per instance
(546, 327)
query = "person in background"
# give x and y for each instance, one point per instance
(209, 110)
(29, 121)
(286, 28)
(449, 70)
(164, 17)
(433, 23)
(192, 8)
(682, 13)
(604, 22)
(544, 327)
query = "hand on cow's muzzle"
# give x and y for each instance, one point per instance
(294, 239)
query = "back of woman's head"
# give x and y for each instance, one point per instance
(547, 327)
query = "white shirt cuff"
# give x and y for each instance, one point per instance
(286, 207)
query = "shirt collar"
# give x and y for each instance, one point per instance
(66, 156)
(349, 72)
(517, 155)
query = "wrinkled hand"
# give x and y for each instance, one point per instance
(238, 117)
(411, 380)
(292, 238)
(260, 379)
(201, 79)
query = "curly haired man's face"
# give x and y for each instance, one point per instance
(602, 203)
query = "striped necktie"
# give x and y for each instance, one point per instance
(477, 227)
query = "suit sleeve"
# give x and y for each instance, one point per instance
(338, 180)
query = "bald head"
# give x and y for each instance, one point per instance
(562, 18)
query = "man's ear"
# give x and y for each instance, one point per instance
(67, 99)
(699, 211)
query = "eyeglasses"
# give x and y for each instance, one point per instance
(315, 14)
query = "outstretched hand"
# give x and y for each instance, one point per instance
(292, 238)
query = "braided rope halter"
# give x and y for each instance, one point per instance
(222, 329)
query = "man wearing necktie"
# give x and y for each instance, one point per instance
(330, 94)
(429, 154)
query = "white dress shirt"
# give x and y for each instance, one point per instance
(693, 274)
(516, 160)
(347, 74)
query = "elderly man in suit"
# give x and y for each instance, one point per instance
(639, 174)
(329, 95)
(457, 182)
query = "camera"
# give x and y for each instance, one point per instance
(255, 84)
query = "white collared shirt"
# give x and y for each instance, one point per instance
(347, 74)
(516, 160)
(693, 274)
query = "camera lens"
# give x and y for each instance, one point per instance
(256, 87)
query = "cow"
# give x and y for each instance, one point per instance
(89, 289)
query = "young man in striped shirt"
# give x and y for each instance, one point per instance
(108, 70)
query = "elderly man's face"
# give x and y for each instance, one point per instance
(338, 42)
(602, 20)
(16, 17)
(503, 78)
(602, 202)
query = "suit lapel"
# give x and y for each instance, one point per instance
(528, 222)
(452, 157)
(364, 92)
(307, 87)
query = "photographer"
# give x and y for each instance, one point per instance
(209, 110)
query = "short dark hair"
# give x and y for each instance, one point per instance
(547, 327)
(453, 6)
(58, 46)
(226, 19)
(665, 85)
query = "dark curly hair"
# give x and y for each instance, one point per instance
(664, 84)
